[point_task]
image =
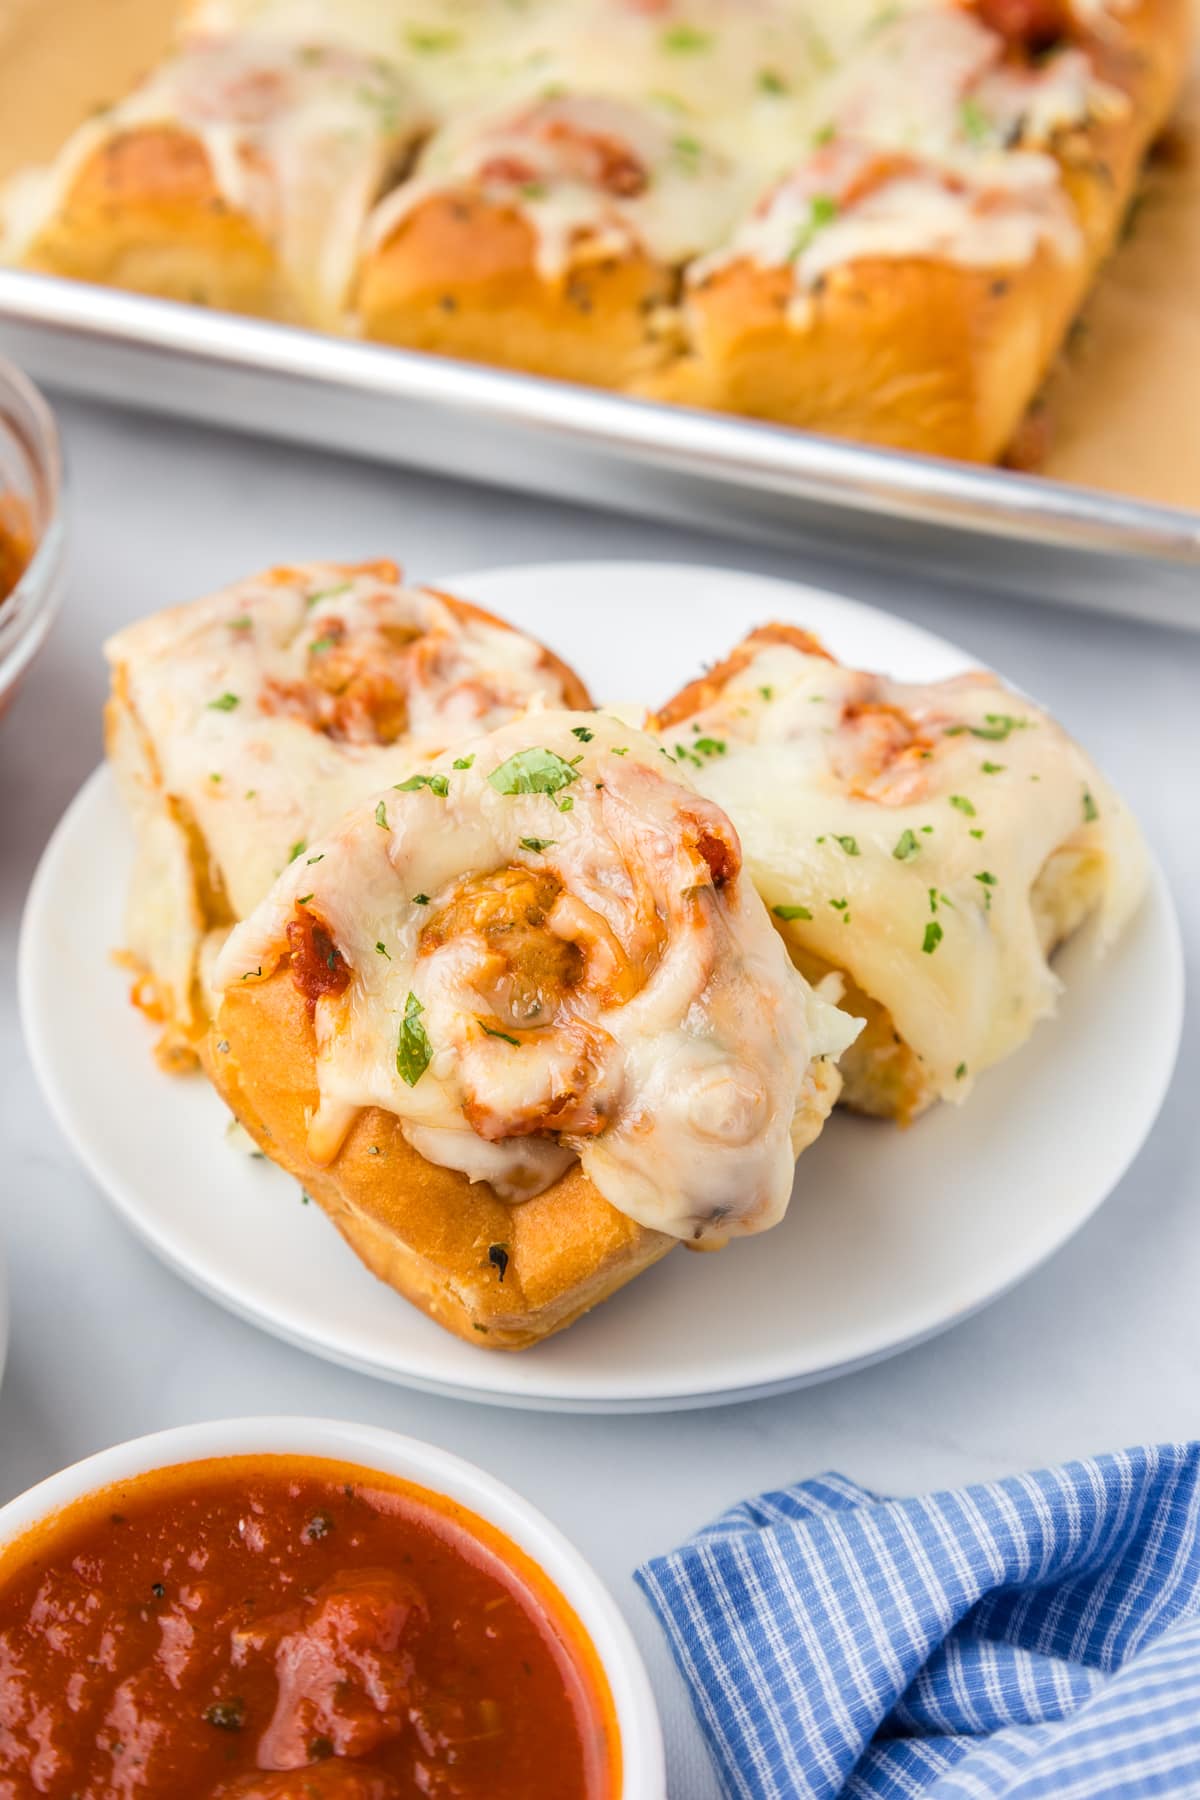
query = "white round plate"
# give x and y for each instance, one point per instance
(891, 1236)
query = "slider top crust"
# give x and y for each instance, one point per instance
(898, 831)
(295, 139)
(272, 706)
(539, 949)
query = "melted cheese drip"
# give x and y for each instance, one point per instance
(689, 1061)
(729, 106)
(879, 850)
(686, 193)
(210, 682)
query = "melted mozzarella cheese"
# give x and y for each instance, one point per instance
(728, 107)
(233, 693)
(666, 191)
(678, 1062)
(713, 98)
(898, 831)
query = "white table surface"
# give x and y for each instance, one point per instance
(1099, 1349)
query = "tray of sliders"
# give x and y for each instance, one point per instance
(463, 1007)
(801, 271)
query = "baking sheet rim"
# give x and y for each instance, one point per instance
(716, 447)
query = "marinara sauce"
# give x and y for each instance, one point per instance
(16, 546)
(283, 1628)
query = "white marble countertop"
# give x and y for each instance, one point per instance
(1098, 1349)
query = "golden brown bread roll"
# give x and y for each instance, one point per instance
(520, 1024)
(910, 279)
(237, 175)
(545, 236)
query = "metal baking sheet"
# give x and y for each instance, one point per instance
(982, 526)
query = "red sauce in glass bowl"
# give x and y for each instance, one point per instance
(16, 543)
(289, 1628)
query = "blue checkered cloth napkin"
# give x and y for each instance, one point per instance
(1035, 1637)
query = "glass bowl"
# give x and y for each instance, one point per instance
(31, 492)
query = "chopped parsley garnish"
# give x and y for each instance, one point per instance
(582, 733)
(887, 15)
(792, 912)
(906, 846)
(824, 134)
(1091, 812)
(842, 906)
(533, 190)
(532, 772)
(420, 899)
(977, 127)
(771, 82)
(312, 859)
(565, 804)
(504, 1036)
(991, 768)
(327, 593)
(537, 845)
(960, 1071)
(935, 894)
(996, 727)
(304, 900)
(685, 755)
(381, 815)
(383, 950)
(768, 693)
(428, 41)
(320, 645)
(849, 844)
(498, 1257)
(933, 937)
(226, 1715)
(687, 148)
(462, 762)
(976, 832)
(243, 624)
(963, 804)
(437, 784)
(988, 881)
(298, 849)
(822, 211)
(685, 40)
(623, 749)
(413, 1049)
(224, 703)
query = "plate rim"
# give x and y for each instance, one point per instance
(117, 1190)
